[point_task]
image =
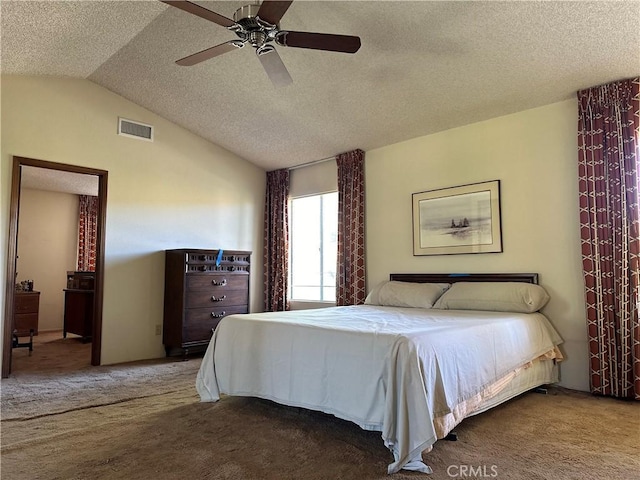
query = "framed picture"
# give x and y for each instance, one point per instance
(464, 219)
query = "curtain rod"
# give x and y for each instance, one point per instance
(308, 164)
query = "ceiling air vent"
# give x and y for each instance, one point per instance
(129, 128)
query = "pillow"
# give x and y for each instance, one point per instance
(405, 294)
(372, 298)
(494, 296)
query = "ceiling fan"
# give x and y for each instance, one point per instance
(258, 25)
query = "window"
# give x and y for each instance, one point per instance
(314, 247)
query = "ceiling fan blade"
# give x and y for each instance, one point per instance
(209, 53)
(272, 11)
(319, 41)
(201, 12)
(274, 67)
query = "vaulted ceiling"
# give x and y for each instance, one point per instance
(424, 66)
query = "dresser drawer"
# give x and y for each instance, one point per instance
(26, 303)
(217, 283)
(200, 257)
(212, 257)
(25, 322)
(208, 262)
(216, 299)
(213, 268)
(199, 322)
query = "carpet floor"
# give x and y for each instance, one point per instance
(58, 377)
(144, 421)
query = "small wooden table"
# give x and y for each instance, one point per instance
(78, 313)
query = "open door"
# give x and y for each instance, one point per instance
(14, 214)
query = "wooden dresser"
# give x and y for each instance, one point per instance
(26, 309)
(201, 287)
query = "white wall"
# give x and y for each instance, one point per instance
(47, 249)
(179, 191)
(534, 155)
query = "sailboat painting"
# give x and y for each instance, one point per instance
(463, 219)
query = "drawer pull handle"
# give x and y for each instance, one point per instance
(202, 268)
(220, 283)
(218, 299)
(217, 315)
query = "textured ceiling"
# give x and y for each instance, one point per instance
(423, 67)
(58, 181)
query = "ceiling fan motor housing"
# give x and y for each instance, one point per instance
(246, 14)
(254, 30)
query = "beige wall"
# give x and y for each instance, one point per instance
(179, 191)
(534, 155)
(47, 249)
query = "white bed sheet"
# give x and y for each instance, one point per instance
(387, 369)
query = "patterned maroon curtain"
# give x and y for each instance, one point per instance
(87, 231)
(276, 248)
(350, 281)
(609, 128)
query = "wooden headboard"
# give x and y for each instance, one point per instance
(464, 277)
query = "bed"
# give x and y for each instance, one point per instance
(424, 352)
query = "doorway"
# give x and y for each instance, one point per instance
(14, 215)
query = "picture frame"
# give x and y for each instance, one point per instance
(458, 220)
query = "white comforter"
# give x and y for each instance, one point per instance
(387, 369)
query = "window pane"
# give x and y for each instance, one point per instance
(329, 293)
(305, 293)
(314, 225)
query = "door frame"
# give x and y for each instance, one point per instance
(12, 254)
